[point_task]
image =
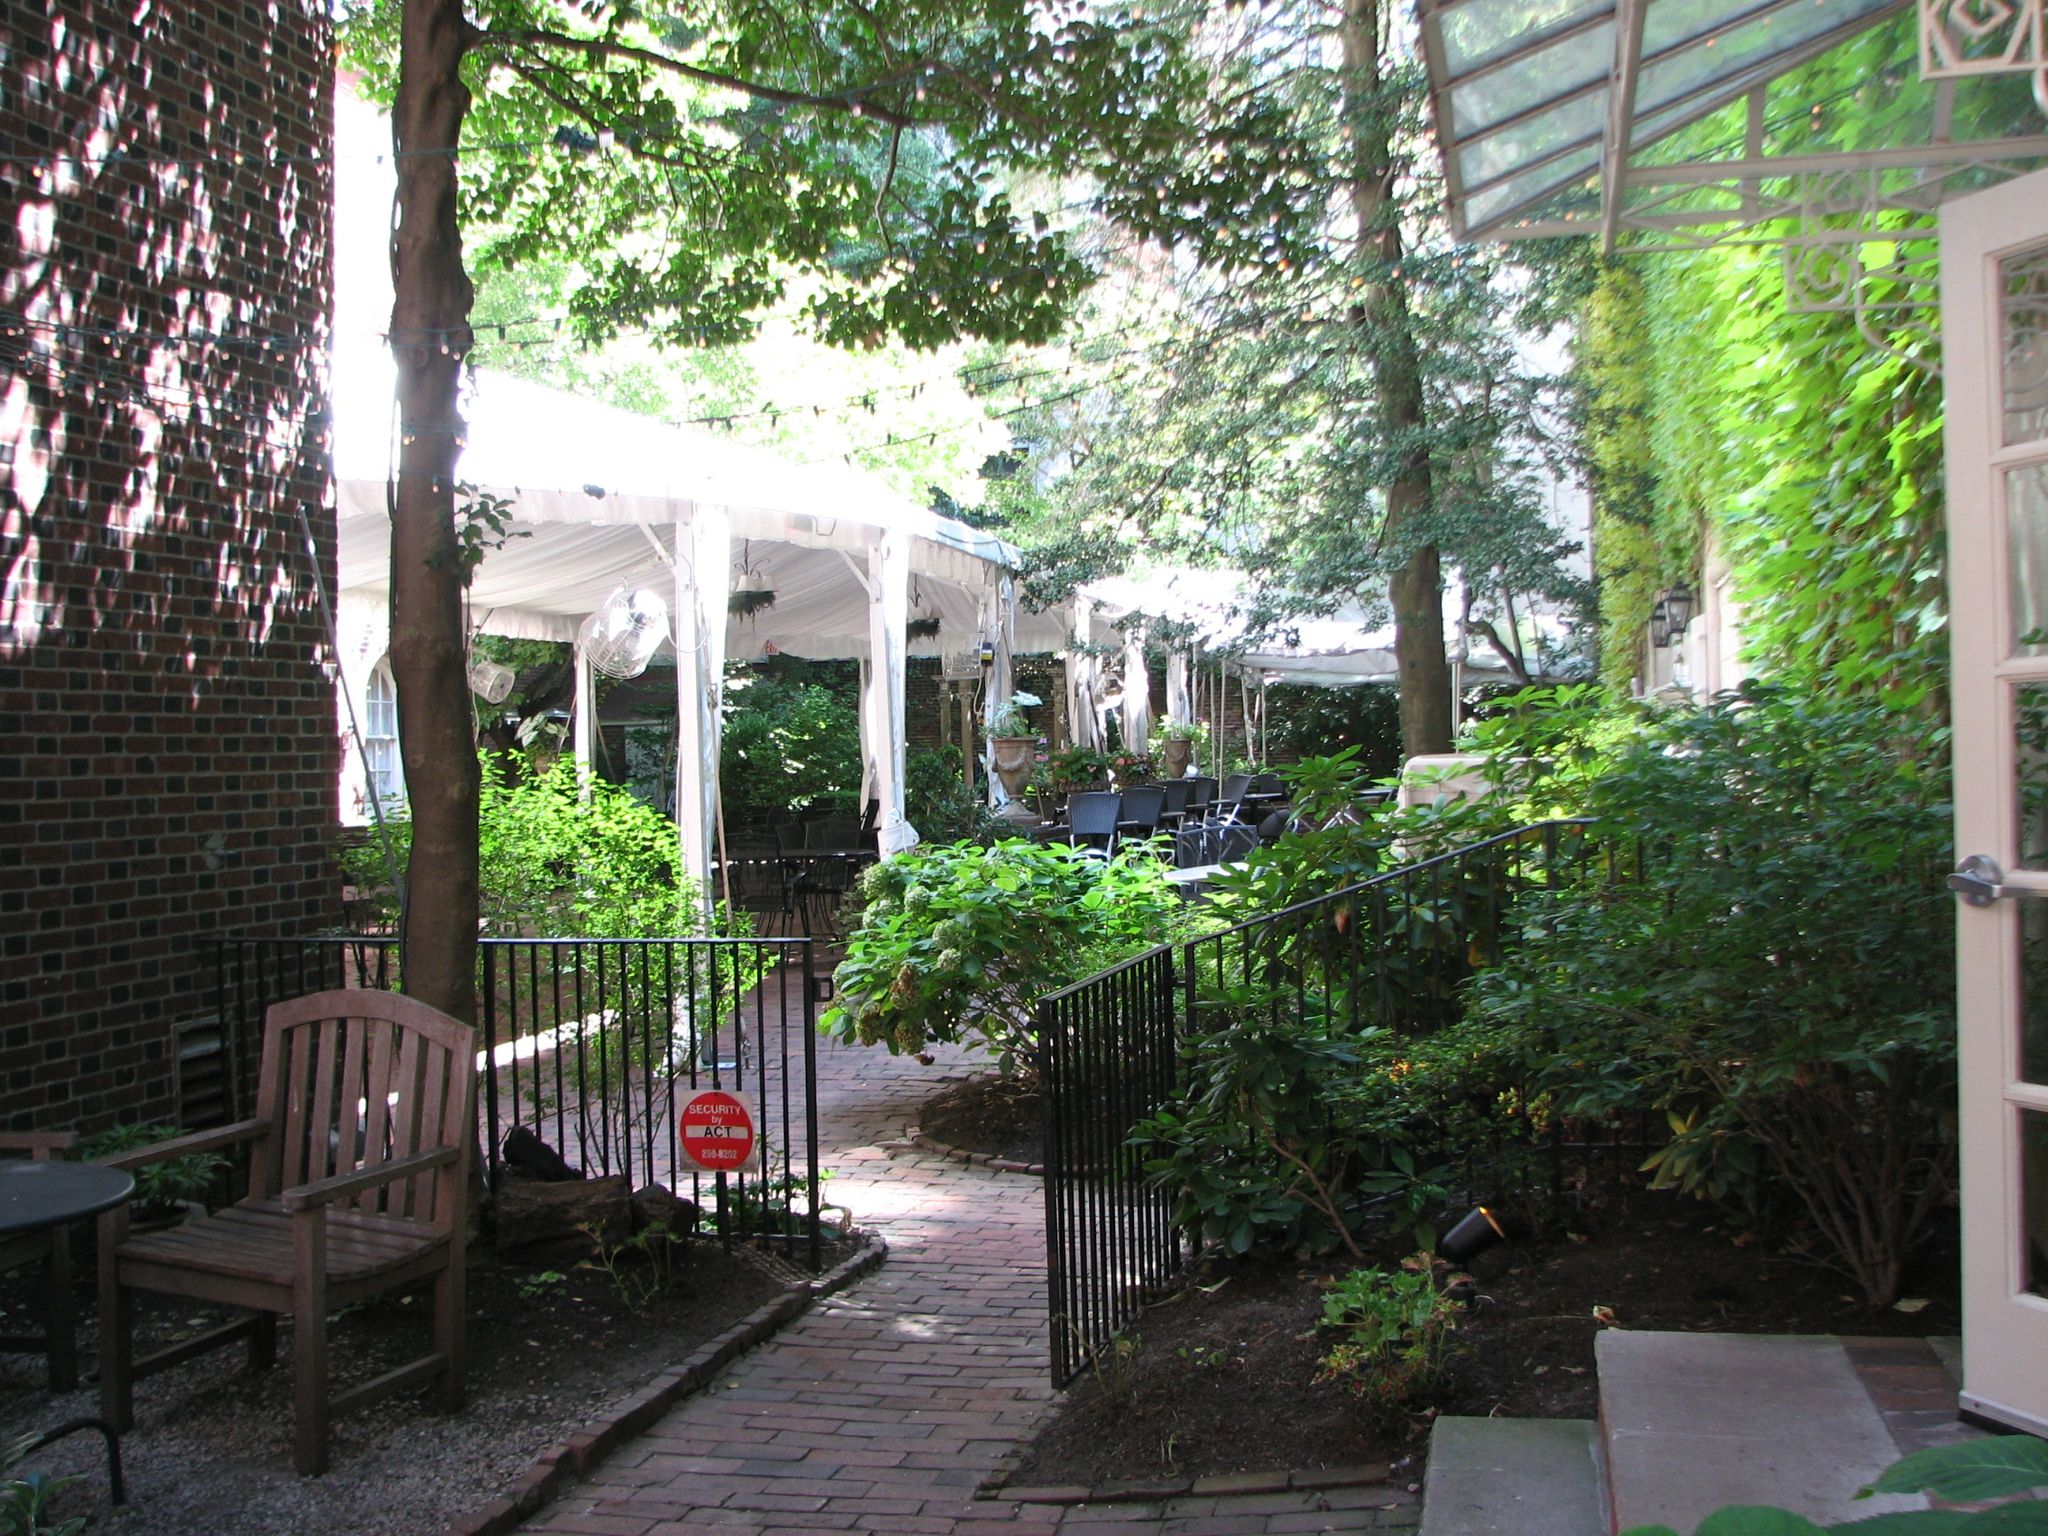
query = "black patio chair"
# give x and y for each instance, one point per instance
(1092, 817)
(763, 886)
(1179, 792)
(836, 834)
(1139, 816)
(1230, 798)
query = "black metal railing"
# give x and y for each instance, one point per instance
(592, 1044)
(1108, 1054)
(1391, 952)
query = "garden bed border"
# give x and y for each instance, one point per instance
(553, 1469)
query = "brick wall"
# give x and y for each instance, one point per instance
(167, 755)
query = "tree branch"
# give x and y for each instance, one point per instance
(853, 100)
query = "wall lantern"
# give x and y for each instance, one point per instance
(1671, 614)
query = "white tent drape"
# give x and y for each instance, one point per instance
(1001, 629)
(882, 712)
(1084, 708)
(1180, 704)
(704, 545)
(1137, 708)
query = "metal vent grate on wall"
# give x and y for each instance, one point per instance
(202, 1074)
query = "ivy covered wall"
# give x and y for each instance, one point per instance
(1812, 456)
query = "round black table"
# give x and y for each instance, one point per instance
(37, 1195)
(49, 1196)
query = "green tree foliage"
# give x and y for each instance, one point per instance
(692, 158)
(1615, 363)
(1340, 424)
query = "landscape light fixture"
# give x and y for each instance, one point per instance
(1477, 1230)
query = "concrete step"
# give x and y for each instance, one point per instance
(1513, 1477)
(1691, 1422)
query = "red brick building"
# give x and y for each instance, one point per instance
(167, 752)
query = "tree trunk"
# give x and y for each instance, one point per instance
(429, 338)
(1417, 589)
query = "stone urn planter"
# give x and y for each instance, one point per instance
(1014, 757)
(1173, 757)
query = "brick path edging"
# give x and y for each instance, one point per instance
(915, 1136)
(1151, 1489)
(552, 1470)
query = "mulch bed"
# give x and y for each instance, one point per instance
(1221, 1377)
(992, 1114)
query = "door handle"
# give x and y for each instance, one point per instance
(1978, 880)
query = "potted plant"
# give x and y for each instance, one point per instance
(1130, 768)
(164, 1192)
(1014, 750)
(1174, 743)
(1075, 768)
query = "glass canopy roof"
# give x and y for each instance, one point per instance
(1690, 119)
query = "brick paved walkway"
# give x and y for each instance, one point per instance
(884, 1407)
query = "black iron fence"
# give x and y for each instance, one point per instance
(1391, 952)
(593, 1045)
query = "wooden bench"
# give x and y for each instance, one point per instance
(359, 1159)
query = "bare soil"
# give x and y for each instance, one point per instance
(551, 1344)
(992, 1114)
(1221, 1377)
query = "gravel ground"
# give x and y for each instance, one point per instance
(211, 1451)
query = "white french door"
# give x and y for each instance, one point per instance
(1994, 279)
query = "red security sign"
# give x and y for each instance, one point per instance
(719, 1131)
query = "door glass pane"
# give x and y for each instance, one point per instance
(2024, 325)
(2030, 728)
(2034, 1199)
(2026, 538)
(2034, 990)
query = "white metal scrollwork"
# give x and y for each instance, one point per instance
(1960, 38)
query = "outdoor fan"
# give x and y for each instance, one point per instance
(625, 632)
(491, 681)
(750, 590)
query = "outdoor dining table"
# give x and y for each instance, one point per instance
(37, 1196)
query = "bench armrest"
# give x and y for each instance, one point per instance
(310, 1197)
(184, 1146)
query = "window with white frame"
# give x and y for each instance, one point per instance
(384, 777)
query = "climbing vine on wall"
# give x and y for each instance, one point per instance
(1812, 458)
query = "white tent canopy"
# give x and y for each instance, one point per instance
(603, 499)
(1340, 650)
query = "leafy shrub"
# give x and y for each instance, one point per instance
(956, 941)
(787, 747)
(1964, 1471)
(941, 805)
(561, 857)
(1780, 983)
(1312, 722)
(1290, 1130)
(161, 1189)
(1331, 845)
(1394, 1332)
